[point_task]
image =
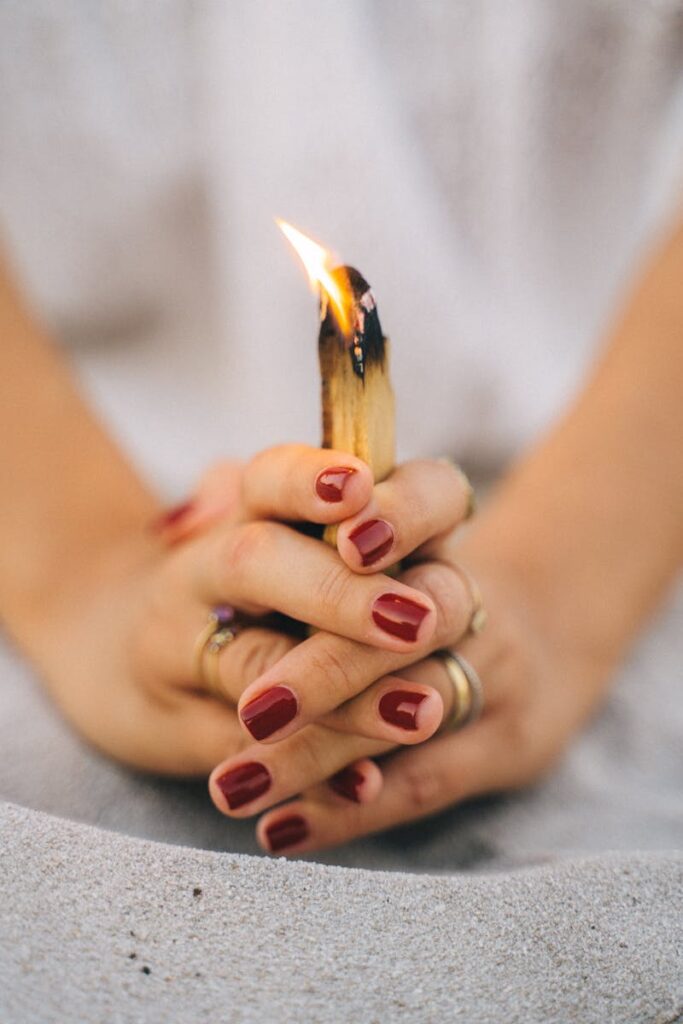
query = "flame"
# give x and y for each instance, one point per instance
(316, 261)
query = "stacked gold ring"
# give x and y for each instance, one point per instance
(221, 629)
(468, 691)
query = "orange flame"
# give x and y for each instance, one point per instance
(316, 261)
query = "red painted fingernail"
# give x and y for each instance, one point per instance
(373, 539)
(286, 832)
(245, 783)
(270, 711)
(399, 707)
(330, 483)
(347, 783)
(172, 517)
(398, 616)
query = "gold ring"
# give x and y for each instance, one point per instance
(221, 629)
(479, 614)
(212, 650)
(469, 693)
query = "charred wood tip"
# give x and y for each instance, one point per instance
(365, 342)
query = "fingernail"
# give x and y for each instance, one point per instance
(330, 483)
(399, 707)
(348, 783)
(372, 539)
(172, 516)
(286, 832)
(270, 711)
(398, 616)
(245, 783)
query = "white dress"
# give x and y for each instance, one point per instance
(494, 170)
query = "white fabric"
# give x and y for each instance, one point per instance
(495, 170)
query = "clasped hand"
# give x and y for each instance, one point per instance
(345, 724)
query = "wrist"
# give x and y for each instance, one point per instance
(81, 554)
(526, 595)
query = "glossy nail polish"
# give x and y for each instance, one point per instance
(331, 482)
(172, 517)
(373, 540)
(399, 707)
(348, 783)
(398, 616)
(245, 783)
(270, 711)
(286, 832)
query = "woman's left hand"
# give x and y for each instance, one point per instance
(534, 699)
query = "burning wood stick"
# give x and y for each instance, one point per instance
(357, 398)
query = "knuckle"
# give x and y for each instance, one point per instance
(260, 465)
(451, 600)
(258, 478)
(452, 475)
(247, 544)
(417, 510)
(423, 787)
(337, 672)
(332, 590)
(307, 753)
(252, 654)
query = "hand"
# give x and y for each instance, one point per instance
(534, 703)
(116, 641)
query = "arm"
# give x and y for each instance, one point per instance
(68, 494)
(592, 520)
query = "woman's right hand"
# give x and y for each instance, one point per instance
(116, 642)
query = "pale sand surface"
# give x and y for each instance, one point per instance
(101, 927)
(530, 908)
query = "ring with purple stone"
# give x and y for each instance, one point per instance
(221, 629)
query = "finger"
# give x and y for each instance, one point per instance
(419, 501)
(360, 782)
(403, 710)
(262, 776)
(204, 731)
(217, 496)
(265, 564)
(416, 783)
(179, 734)
(294, 482)
(235, 665)
(327, 670)
(392, 709)
(172, 648)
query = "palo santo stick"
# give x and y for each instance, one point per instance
(358, 402)
(357, 397)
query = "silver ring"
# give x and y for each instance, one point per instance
(469, 692)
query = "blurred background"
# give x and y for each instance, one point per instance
(496, 171)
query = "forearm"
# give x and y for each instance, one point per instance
(66, 491)
(593, 518)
